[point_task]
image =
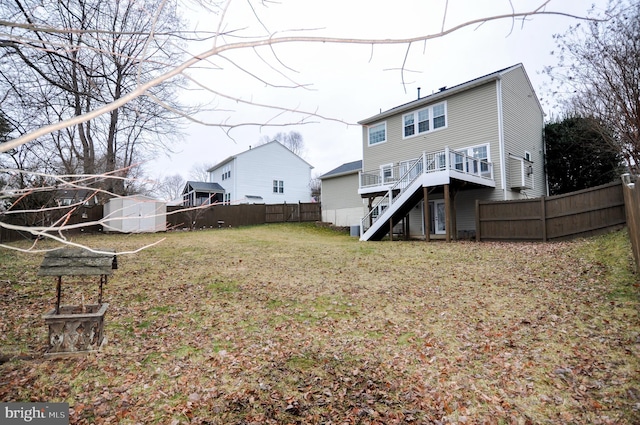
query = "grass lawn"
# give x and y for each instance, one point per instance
(298, 324)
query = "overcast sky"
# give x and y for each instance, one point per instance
(349, 83)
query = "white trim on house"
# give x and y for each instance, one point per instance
(503, 167)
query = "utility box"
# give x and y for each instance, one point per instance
(135, 214)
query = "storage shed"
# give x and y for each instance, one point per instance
(135, 214)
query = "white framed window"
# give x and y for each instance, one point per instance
(386, 172)
(424, 120)
(278, 186)
(409, 125)
(226, 172)
(527, 156)
(439, 116)
(227, 198)
(377, 211)
(479, 153)
(378, 133)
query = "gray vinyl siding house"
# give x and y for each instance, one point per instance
(480, 140)
(341, 204)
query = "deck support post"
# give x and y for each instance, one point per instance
(407, 223)
(447, 212)
(427, 219)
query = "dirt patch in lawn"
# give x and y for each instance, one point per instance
(298, 324)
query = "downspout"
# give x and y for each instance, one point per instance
(503, 168)
(544, 160)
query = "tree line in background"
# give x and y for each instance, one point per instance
(598, 137)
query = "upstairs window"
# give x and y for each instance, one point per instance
(226, 172)
(409, 127)
(439, 119)
(378, 133)
(424, 120)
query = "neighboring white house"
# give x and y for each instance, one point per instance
(427, 162)
(269, 174)
(135, 214)
(341, 204)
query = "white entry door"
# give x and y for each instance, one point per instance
(438, 217)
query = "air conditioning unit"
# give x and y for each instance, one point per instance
(520, 173)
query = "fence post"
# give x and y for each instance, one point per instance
(299, 212)
(284, 212)
(543, 217)
(632, 204)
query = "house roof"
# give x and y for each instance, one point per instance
(344, 169)
(74, 193)
(137, 198)
(232, 157)
(203, 187)
(443, 93)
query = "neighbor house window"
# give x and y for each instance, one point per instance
(226, 172)
(378, 133)
(278, 186)
(424, 120)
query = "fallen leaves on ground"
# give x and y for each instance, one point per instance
(293, 324)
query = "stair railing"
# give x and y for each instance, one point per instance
(407, 178)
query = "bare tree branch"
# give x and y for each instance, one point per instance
(142, 89)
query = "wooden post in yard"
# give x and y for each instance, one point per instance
(447, 212)
(427, 219)
(543, 218)
(477, 220)
(391, 228)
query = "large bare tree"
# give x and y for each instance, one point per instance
(65, 58)
(599, 65)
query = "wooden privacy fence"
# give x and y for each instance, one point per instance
(632, 201)
(72, 216)
(217, 216)
(582, 213)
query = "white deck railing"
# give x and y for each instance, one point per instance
(447, 159)
(394, 180)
